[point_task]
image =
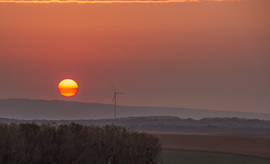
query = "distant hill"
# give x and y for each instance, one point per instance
(29, 109)
(171, 124)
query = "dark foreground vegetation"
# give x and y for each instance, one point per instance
(74, 143)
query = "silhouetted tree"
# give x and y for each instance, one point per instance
(74, 143)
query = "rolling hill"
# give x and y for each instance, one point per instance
(30, 109)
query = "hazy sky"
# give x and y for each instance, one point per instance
(211, 55)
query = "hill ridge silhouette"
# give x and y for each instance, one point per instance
(30, 109)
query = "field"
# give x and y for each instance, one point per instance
(247, 145)
(195, 157)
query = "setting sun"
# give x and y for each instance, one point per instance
(68, 87)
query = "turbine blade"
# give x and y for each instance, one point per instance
(113, 87)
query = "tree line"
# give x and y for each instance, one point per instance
(30, 143)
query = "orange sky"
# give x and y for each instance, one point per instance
(107, 1)
(211, 55)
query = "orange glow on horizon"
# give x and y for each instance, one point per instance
(68, 87)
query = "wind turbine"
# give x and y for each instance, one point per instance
(114, 99)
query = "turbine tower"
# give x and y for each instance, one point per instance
(114, 99)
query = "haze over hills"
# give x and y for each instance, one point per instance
(169, 124)
(29, 109)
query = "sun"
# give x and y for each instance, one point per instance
(68, 87)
